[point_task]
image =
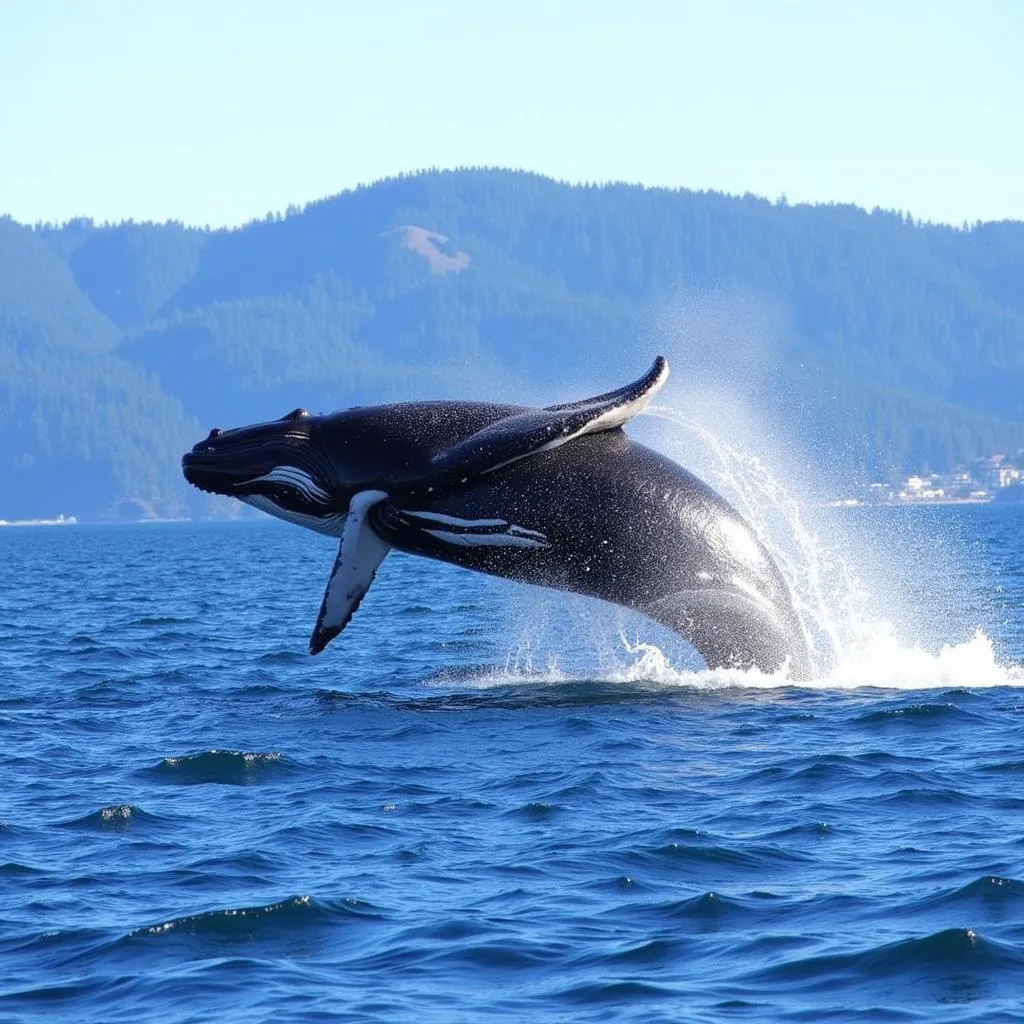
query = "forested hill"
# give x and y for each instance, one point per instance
(884, 345)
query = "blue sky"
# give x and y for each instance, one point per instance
(219, 111)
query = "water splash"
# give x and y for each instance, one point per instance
(882, 662)
(850, 646)
(830, 599)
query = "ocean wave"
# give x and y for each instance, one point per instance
(1003, 767)
(915, 714)
(709, 906)
(941, 958)
(679, 848)
(513, 694)
(226, 767)
(615, 992)
(283, 656)
(295, 914)
(940, 797)
(536, 810)
(291, 921)
(647, 954)
(992, 894)
(115, 818)
(13, 869)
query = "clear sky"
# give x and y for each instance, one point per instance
(218, 111)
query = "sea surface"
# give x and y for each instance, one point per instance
(489, 802)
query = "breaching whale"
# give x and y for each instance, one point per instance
(558, 497)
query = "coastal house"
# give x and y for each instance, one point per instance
(919, 488)
(997, 472)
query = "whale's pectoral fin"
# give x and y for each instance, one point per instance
(623, 403)
(359, 554)
(538, 430)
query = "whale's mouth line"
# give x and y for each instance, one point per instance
(224, 488)
(206, 490)
(204, 477)
(280, 491)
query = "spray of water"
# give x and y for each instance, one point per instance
(851, 645)
(828, 596)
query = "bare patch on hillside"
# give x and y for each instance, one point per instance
(434, 248)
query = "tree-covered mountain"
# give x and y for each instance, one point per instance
(880, 345)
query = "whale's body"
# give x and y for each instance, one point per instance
(558, 497)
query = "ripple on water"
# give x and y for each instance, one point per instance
(295, 915)
(283, 656)
(709, 906)
(223, 767)
(12, 869)
(943, 961)
(683, 849)
(284, 926)
(149, 621)
(990, 895)
(652, 953)
(536, 810)
(623, 993)
(115, 818)
(929, 714)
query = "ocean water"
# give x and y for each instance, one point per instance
(489, 802)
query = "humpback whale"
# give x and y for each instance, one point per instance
(559, 496)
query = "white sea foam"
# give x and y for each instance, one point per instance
(885, 664)
(882, 662)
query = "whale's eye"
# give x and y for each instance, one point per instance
(297, 414)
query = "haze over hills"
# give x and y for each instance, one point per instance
(885, 346)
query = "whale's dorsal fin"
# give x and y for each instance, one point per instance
(539, 430)
(359, 554)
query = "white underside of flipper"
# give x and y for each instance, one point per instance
(360, 553)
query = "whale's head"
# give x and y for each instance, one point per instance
(279, 467)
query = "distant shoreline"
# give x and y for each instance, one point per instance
(915, 502)
(63, 520)
(60, 520)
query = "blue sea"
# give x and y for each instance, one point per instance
(489, 802)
